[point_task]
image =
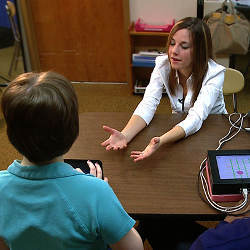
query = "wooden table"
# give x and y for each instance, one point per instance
(166, 183)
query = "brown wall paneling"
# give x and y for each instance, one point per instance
(84, 40)
(29, 33)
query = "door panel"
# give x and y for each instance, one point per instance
(82, 39)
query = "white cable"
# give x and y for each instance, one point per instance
(217, 206)
(241, 118)
(214, 204)
(204, 180)
(233, 123)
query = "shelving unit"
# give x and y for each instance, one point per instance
(143, 41)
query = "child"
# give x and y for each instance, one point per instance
(45, 203)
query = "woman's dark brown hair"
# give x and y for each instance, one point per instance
(41, 112)
(202, 52)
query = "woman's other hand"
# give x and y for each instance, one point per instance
(116, 140)
(149, 150)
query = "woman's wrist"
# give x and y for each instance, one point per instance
(172, 135)
(165, 138)
(126, 136)
(162, 140)
(134, 126)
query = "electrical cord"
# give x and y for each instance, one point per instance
(233, 131)
(235, 124)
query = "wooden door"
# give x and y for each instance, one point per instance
(86, 40)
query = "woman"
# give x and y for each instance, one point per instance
(193, 82)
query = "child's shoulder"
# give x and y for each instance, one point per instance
(4, 173)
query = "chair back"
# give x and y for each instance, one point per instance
(233, 83)
(11, 11)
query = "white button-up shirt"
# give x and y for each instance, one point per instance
(209, 101)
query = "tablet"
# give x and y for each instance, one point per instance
(83, 165)
(229, 171)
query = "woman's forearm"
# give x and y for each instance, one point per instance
(173, 135)
(133, 127)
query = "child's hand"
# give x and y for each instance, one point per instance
(96, 170)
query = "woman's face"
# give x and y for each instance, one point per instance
(181, 52)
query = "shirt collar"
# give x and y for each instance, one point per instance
(50, 171)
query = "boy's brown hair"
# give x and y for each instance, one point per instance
(41, 112)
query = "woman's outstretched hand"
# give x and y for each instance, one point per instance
(116, 140)
(149, 150)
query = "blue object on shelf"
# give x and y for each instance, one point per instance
(143, 63)
(4, 20)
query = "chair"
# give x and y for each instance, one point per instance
(233, 83)
(11, 11)
(246, 70)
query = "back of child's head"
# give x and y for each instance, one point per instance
(41, 113)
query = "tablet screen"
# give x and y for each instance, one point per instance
(233, 166)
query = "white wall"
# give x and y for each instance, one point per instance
(161, 11)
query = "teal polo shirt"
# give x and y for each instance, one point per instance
(56, 207)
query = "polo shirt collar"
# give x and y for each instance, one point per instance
(50, 171)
